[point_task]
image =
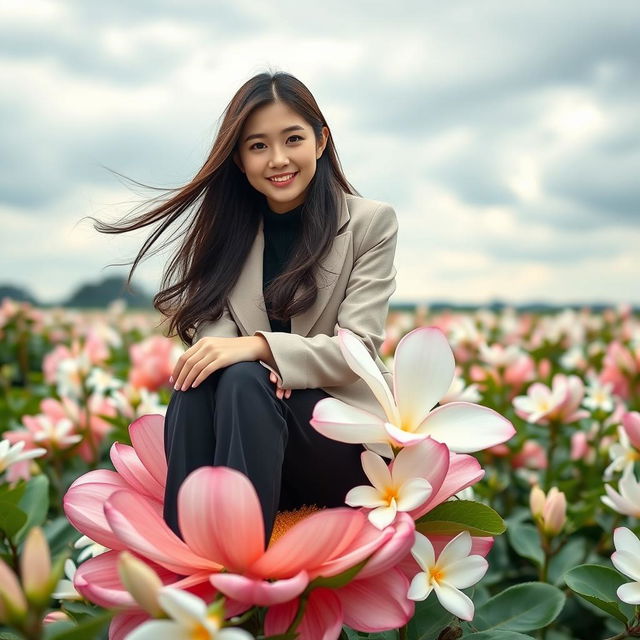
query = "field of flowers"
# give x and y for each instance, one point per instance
(502, 504)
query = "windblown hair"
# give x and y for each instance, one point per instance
(222, 211)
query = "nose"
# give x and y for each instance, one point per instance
(279, 157)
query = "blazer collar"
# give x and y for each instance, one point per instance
(246, 301)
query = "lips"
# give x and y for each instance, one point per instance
(280, 183)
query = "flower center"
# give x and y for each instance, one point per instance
(286, 519)
(436, 574)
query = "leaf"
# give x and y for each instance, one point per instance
(35, 503)
(525, 541)
(89, 629)
(12, 519)
(522, 607)
(498, 635)
(571, 555)
(598, 585)
(455, 516)
(429, 620)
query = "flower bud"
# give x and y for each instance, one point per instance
(537, 499)
(141, 581)
(35, 567)
(13, 605)
(554, 514)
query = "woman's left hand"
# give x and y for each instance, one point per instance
(280, 392)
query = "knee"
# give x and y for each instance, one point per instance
(241, 375)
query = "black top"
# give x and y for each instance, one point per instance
(280, 234)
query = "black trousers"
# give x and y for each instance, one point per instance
(234, 419)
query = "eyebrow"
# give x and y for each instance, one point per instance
(295, 127)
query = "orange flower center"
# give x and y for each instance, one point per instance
(436, 574)
(286, 519)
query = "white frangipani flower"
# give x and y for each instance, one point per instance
(627, 502)
(497, 355)
(459, 393)
(454, 569)
(190, 620)
(65, 589)
(102, 382)
(626, 559)
(398, 489)
(56, 434)
(91, 548)
(598, 395)
(10, 454)
(622, 454)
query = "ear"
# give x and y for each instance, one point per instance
(236, 159)
(322, 143)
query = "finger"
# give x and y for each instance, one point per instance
(279, 393)
(190, 370)
(272, 377)
(288, 393)
(206, 372)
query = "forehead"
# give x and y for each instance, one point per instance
(272, 118)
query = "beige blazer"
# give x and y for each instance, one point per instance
(355, 298)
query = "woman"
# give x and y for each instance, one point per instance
(281, 252)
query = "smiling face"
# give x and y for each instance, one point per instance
(278, 141)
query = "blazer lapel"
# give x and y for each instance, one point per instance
(246, 301)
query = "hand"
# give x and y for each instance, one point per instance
(280, 392)
(210, 354)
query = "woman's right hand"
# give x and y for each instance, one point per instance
(280, 392)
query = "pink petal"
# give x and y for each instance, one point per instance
(427, 459)
(220, 517)
(260, 592)
(83, 506)
(423, 369)
(322, 618)
(128, 465)
(309, 543)
(140, 526)
(392, 552)
(147, 438)
(378, 603)
(466, 427)
(631, 424)
(122, 624)
(339, 421)
(480, 545)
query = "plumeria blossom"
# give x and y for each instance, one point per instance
(190, 619)
(12, 453)
(598, 395)
(626, 559)
(626, 451)
(627, 501)
(396, 489)
(452, 570)
(559, 403)
(423, 369)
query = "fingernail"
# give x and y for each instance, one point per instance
(176, 386)
(170, 379)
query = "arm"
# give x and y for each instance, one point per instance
(313, 362)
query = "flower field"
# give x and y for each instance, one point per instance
(502, 500)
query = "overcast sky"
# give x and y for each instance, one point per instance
(505, 134)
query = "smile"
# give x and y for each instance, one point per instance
(283, 180)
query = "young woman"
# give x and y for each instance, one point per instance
(281, 251)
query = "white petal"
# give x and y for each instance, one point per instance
(423, 368)
(419, 589)
(233, 634)
(376, 470)
(625, 540)
(454, 601)
(184, 607)
(413, 493)
(456, 549)
(339, 421)
(402, 438)
(423, 552)
(465, 572)
(360, 361)
(627, 563)
(159, 630)
(465, 427)
(383, 516)
(364, 496)
(629, 592)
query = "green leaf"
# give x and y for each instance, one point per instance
(88, 630)
(498, 635)
(35, 503)
(522, 607)
(598, 585)
(12, 519)
(571, 555)
(525, 541)
(455, 516)
(429, 620)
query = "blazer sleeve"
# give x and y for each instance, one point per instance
(223, 327)
(314, 362)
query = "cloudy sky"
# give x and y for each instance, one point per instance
(505, 134)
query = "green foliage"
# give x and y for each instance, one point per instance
(455, 516)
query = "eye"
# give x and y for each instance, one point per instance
(289, 138)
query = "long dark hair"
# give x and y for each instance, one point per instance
(226, 217)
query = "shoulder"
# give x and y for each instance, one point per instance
(370, 220)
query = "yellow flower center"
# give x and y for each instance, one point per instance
(200, 633)
(436, 574)
(286, 519)
(389, 494)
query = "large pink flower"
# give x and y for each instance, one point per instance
(152, 360)
(422, 373)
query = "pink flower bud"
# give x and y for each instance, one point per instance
(537, 501)
(13, 605)
(554, 514)
(141, 581)
(35, 567)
